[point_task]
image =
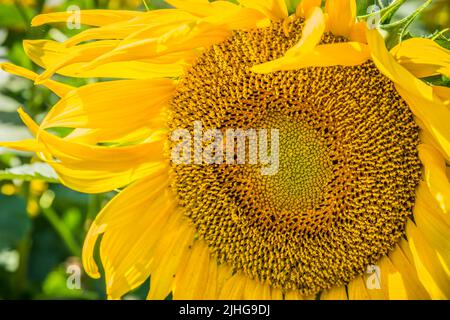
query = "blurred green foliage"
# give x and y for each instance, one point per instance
(42, 224)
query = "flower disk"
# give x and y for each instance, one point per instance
(348, 163)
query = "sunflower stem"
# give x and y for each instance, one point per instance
(385, 12)
(440, 34)
(62, 231)
(55, 221)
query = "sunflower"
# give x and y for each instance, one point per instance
(362, 189)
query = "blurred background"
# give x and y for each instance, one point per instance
(43, 224)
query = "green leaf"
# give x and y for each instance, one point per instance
(441, 38)
(438, 80)
(292, 5)
(140, 293)
(11, 17)
(14, 221)
(443, 43)
(17, 56)
(398, 30)
(387, 9)
(156, 4)
(362, 5)
(73, 220)
(28, 172)
(47, 251)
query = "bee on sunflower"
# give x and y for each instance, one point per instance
(363, 179)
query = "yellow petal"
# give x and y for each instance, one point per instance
(405, 272)
(344, 53)
(132, 69)
(357, 289)
(117, 136)
(256, 290)
(211, 287)
(311, 34)
(98, 181)
(126, 104)
(118, 211)
(79, 165)
(391, 281)
(185, 38)
(192, 278)
(70, 61)
(427, 138)
(434, 229)
(132, 224)
(222, 13)
(59, 89)
(202, 8)
(397, 279)
(223, 274)
(273, 9)
(404, 246)
(430, 270)
(424, 195)
(432, 116)
(152, 24)
(435, 175)
(341, 16)
(92, 59)
(23, 145)
(53, 56)
(172, 250)
(127, 254)
(233, 288)
(422, 57)
(358, 32)
(87, 17)
(305, 6)
(443, 93)
(265, 291)
(393, 70)
(238, 19)
(293, 295)
(276, 294)
(335, 293)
